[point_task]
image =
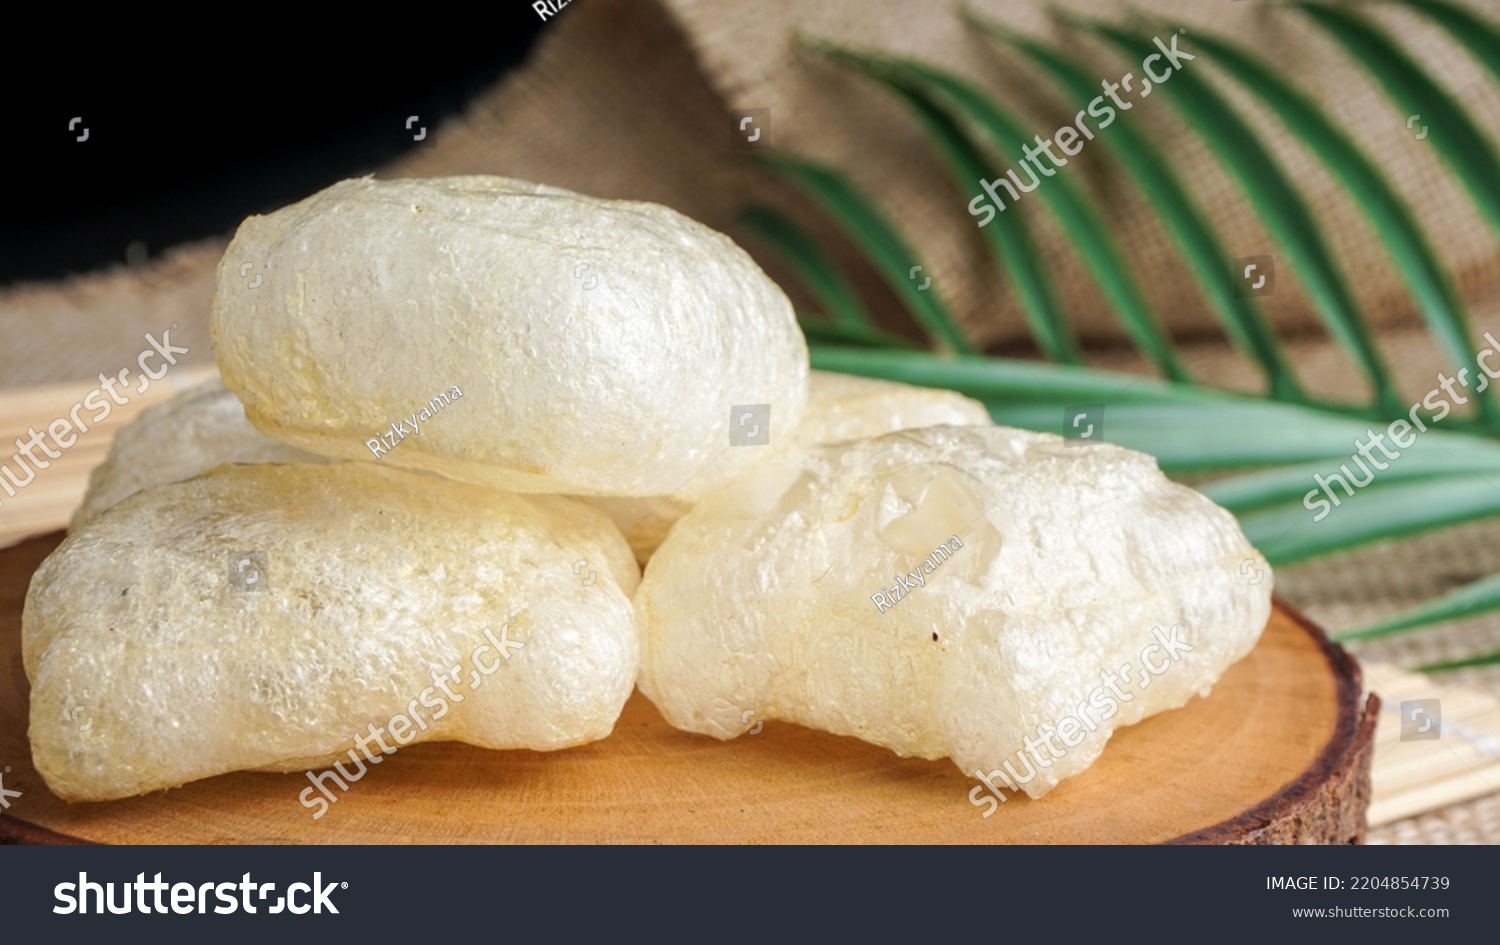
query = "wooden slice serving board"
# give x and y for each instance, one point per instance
(1278, 753)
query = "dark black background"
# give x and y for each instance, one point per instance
(191, 129)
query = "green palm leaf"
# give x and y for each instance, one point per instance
(1488, 659)
(882, 243)
(1451, 131)
(922, 87)
(1403, 239)
(1481, 39)
(1187, 428)
(1291, 484)
(1205, 254)
(821, 332)
(813, 266)
(1007, 235)
(1286, 535)
(1284, 211)
(1479, 597)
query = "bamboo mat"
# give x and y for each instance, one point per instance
(1414, 776)
(1410, 777)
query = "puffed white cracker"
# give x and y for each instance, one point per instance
(261, 617)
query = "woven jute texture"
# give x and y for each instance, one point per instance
(636, 99)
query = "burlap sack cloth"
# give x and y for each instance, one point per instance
(633, 98)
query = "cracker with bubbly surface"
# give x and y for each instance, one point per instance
(949, 592)
(188, 435)
(839, 407)
(263, 617)
(506, 333)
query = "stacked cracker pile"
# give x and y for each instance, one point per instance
(447, 394)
